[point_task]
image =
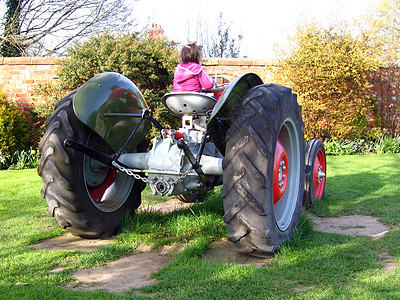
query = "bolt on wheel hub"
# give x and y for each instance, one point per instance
(319, 174)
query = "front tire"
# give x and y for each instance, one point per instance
(86, 197)
(315, 173)
(264, 170)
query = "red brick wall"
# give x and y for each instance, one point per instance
(386, 93)
(19, 76)
(230, 68)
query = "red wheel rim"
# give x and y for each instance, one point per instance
(281, 172)
(97, 192)
(319, 174)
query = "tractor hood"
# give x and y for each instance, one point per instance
(111, 105)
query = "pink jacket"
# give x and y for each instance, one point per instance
(191, 77)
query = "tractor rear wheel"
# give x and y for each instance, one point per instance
(85, 196)
(315, 171)
(264, 170)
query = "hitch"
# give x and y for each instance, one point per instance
(101, 157)
(195, 164)
(146, 114)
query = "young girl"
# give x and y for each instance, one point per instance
(189, 75)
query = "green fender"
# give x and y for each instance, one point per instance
(111, 105)
(221, 117)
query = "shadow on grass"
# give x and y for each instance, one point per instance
(321, 265)
(367, 185)
(313, 264)
(201, 220)
(345, 194)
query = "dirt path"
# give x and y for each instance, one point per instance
(355, 225)
(133, 272)
(127, 273)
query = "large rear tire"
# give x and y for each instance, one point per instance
(264, 170)
(86, 197)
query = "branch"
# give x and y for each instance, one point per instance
(53, 24)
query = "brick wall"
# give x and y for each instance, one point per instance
(386, 92)
(230, 68)
(19, 76)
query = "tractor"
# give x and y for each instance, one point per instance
(94, 163)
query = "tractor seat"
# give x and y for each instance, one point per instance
(188, 103)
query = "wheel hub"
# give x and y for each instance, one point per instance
(281, 171)
(107, 188)
(319, 174)
(97, 192)
(96, 172)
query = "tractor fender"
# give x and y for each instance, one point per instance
(221, 117)
(111, 105)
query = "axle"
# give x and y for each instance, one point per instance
(140, 161)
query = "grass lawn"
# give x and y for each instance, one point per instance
(313, 265)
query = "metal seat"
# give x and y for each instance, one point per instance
(188, 103)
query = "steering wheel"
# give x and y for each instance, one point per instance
(215, 90)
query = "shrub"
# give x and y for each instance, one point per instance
(20, 160)
(50, 94)
(387, 144)
(25, 160)
(4, 161)
(381, 145)
(149, 63)
(14, 129)
(329, 70)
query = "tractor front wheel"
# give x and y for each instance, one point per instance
(264, 170)
(315, 171)
(85, 196)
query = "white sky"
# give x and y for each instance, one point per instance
(262, 23)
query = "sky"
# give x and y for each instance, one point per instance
(262, 23)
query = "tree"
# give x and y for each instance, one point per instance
(225, 45)
(383, 25)
(11, 47)
(216, 44)
(329, 69)
(48, 26)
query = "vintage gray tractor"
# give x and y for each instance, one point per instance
(94, 165)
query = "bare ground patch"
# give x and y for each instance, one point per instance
(355, 225)
(128, 273)
(67, 241)
(166, 207)
(134, 271)
(223, 252)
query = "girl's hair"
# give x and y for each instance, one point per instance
(190, 53)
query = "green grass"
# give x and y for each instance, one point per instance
(366, 185)
(312, 265)
(149, 199)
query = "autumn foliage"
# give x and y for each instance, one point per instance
(329, 70)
